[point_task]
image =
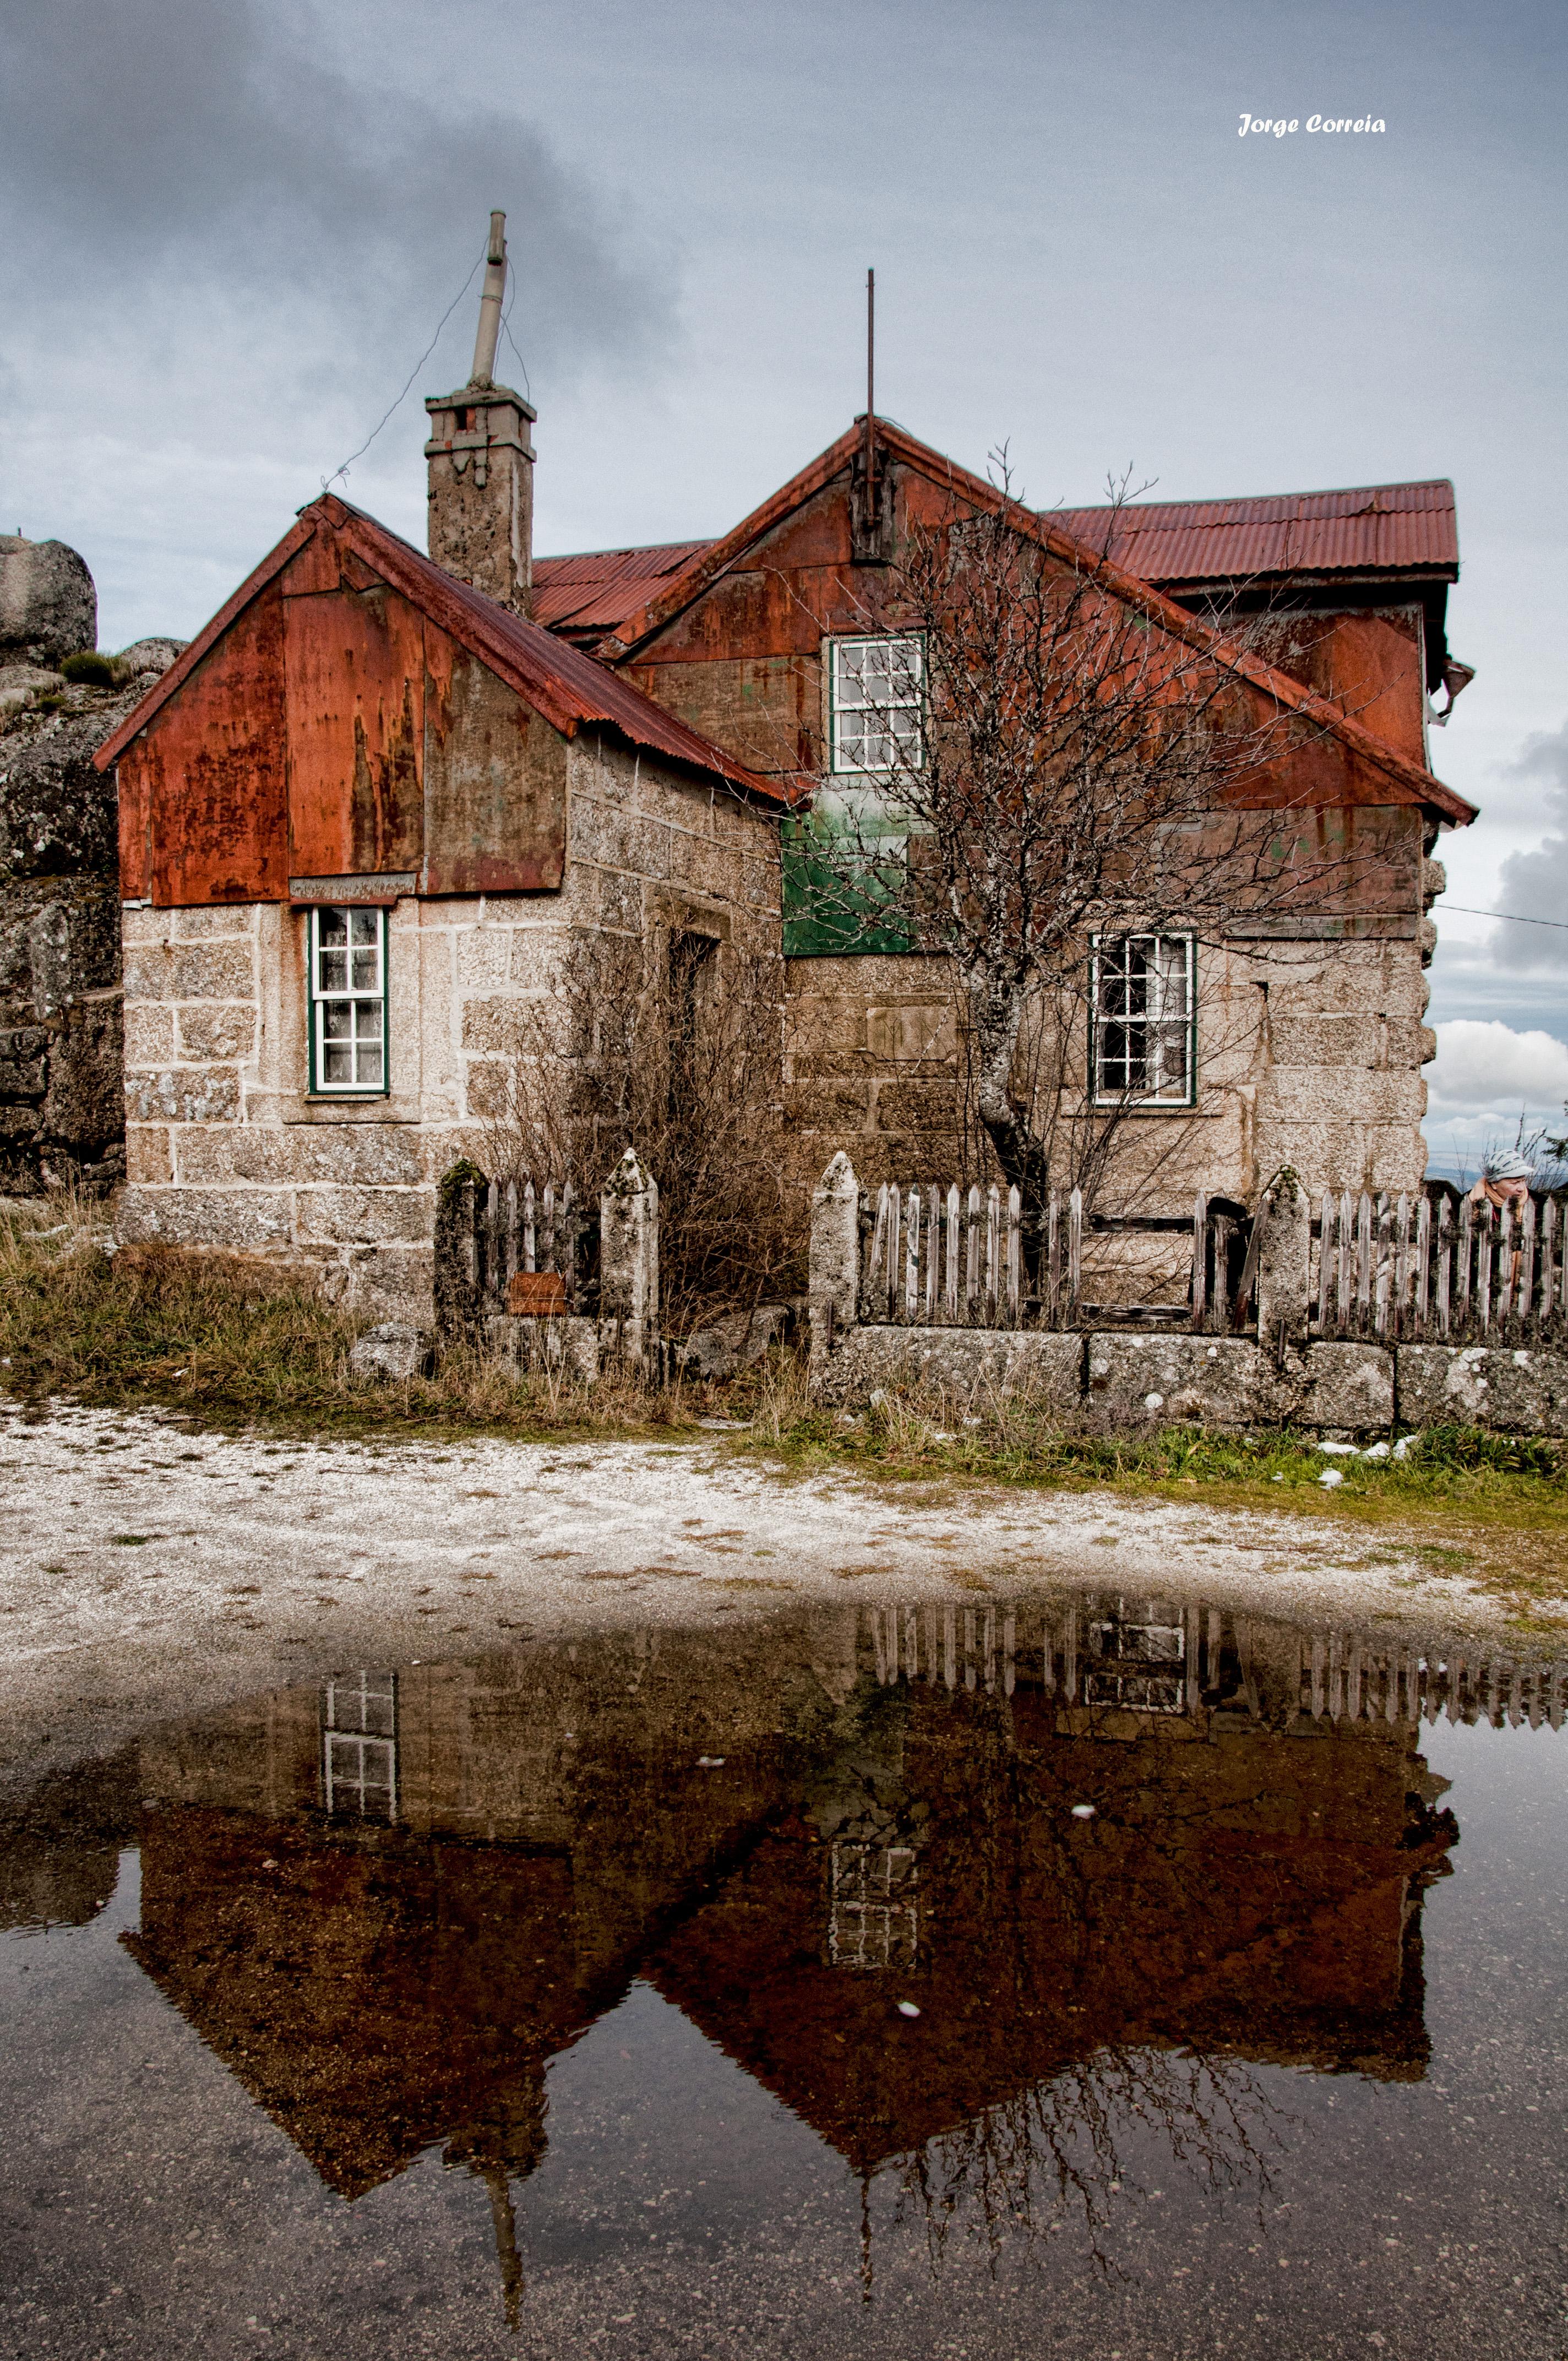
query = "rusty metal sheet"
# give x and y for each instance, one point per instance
(495, 783)
(354, 667)
(595, 589)
(1375, 527)
(213, 772)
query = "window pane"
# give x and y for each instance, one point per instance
(369, 1073)
(1143, 1033)
(367, 1019)
(337, 1062)
(331, 926)
(367, 971)
(337, 1019)
(367, 926)
(333, 971)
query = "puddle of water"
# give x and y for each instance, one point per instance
(970, 1979)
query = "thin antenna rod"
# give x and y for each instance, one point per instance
(490, 303)
(871, 390)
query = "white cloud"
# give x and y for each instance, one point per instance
(1484, 1068)
(1535, 884)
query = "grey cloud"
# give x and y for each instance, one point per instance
(143, 142)
(1535, 884)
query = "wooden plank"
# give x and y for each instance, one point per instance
(1445, 1266)
(993, 1254)
(1484, 1242)
(1325, 1264)
(933, 1251)
(1524, 1293)
(1545, 1294)
(972, 1257)
(1249, 1280)
(569, 1245)
(508, 1260)
(1014, 1257)
(1220, 1302)
(1363, 1263)
(1403, 1266)
(1199, 1290)
(875, 1258)
(912, 1256)
(895, 1247)
(1383, 1269)
(1423, 1265)
(951, 1296)
(1053, 1259)
(529, 1227)
(1074, 1250)
(1463, 1265)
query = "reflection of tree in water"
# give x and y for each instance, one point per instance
(1026, 2164)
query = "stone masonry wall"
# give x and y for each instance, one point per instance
(1309, 1054)
(225, 1145)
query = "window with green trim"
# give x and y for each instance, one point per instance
(348, 1001)
(1145, 1015)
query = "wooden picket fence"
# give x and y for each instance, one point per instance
(1434, 1265)
(498, 1229)
(1394, 1267)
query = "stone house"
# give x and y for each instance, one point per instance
(1306, 1050)
(363, 810)
(358, 819)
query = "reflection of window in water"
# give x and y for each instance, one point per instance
(872, 1916)
(359, 1744)
(1128, 1657)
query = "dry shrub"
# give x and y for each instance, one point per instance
(671, 1044)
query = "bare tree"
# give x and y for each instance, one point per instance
(669, 1042)
(1065, 792)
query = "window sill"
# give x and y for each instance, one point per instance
(372, 1106)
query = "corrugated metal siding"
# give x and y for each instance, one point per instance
(1377, 528)
(597, 588)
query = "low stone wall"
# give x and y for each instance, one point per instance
(1117, 1381)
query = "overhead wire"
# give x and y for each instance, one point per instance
(1515, 917)
(328, 481)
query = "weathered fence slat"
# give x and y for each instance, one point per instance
(1423, 1263)
(1484, 1267)
(1199, 1288)
(992, 1253)
(1325, 1263)
(1052, 1260)
(1014, 1257)
(1074, 1251)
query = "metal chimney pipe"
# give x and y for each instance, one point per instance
(490, 304)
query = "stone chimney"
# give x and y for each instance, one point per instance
(481, 464)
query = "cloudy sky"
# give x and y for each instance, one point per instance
(233, 226)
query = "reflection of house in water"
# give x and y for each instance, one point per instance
(386, 1907)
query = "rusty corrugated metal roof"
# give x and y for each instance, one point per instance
(567, 686)
(597, 588)
(1374, 529)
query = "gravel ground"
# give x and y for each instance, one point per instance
(147, 1566)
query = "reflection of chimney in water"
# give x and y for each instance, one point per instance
(480, 463)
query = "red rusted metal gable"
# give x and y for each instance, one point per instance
(354, 712)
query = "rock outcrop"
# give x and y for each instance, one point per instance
(62, 1055)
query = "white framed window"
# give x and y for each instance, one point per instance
(359, 1745)
(876, 691)
(1146, 1010)
(348, 1000)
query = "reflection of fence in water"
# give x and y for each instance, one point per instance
(1156, 1657)
(359, 1745)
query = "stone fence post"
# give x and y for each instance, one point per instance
(1284, 1264)
(628, 1266)
(833, 1281)
(459, 1212)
